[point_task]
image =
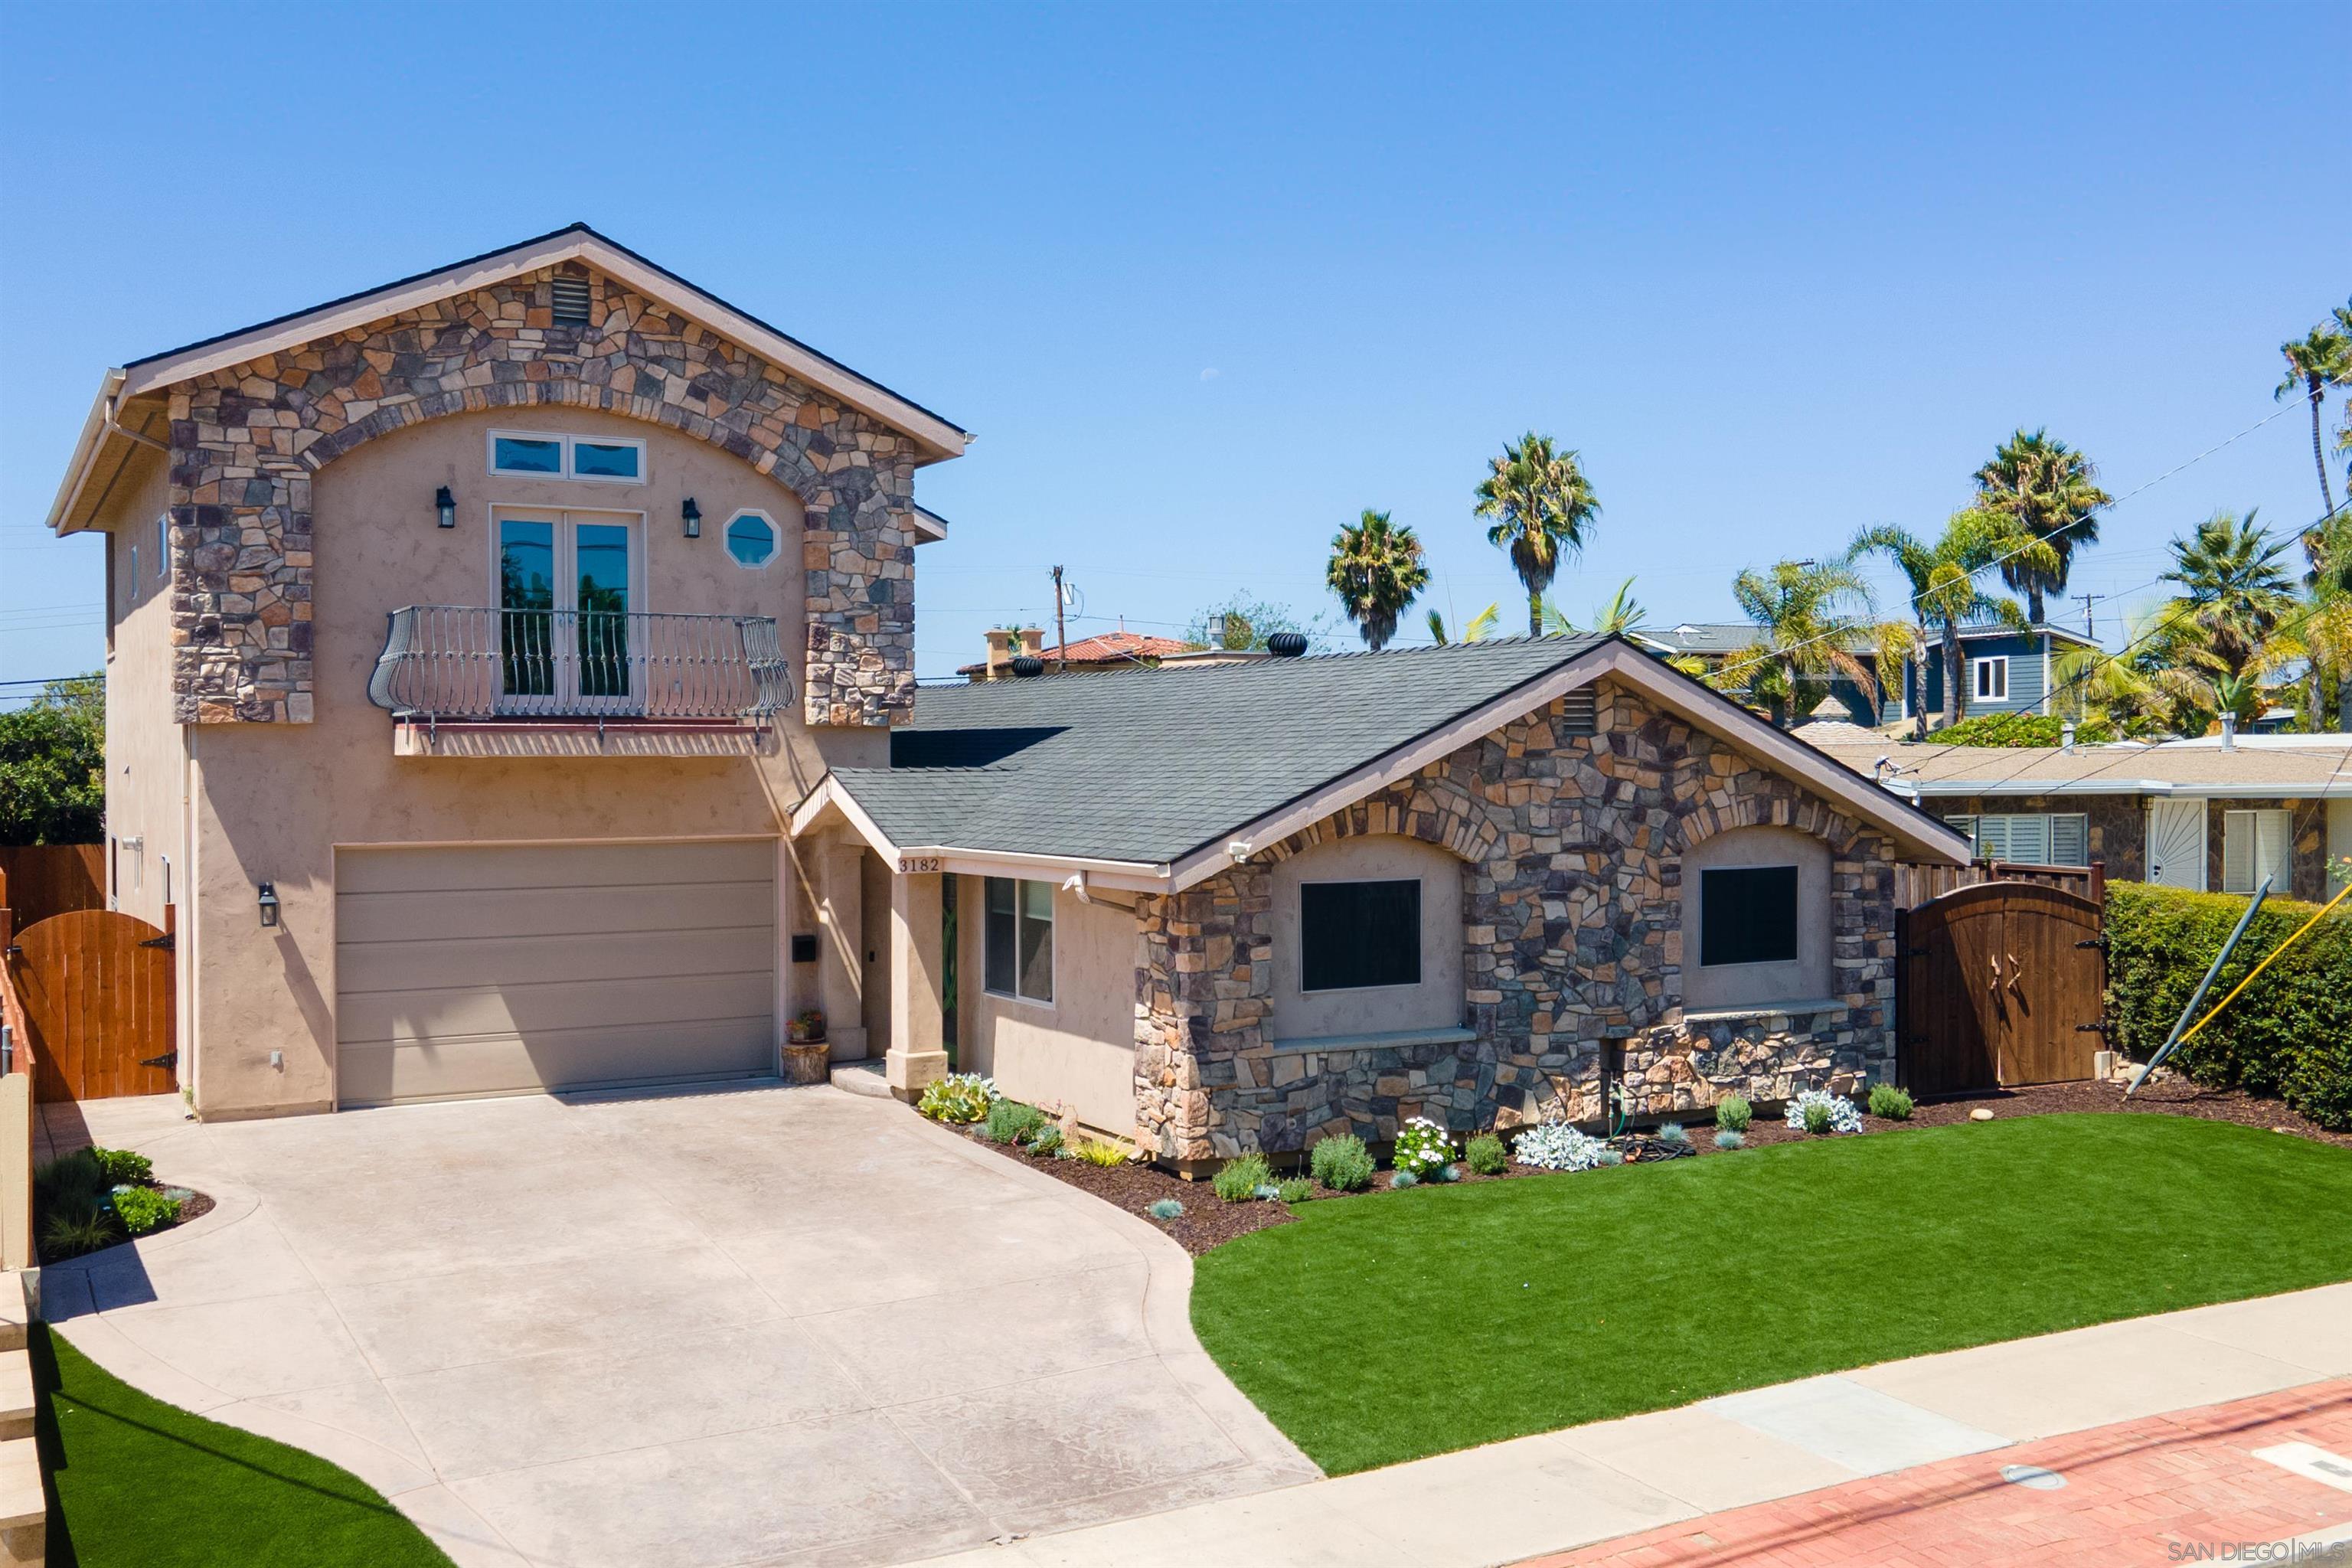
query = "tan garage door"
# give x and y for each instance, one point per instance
(504, 968)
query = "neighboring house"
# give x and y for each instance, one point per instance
(466, 638)
(1243, 907)
(2005, 670)
(2186, 814)
(1104, 651)
(1715, 643)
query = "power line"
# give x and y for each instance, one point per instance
(2109, 505)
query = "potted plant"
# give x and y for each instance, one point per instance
(806, 1056)
(807, 1028)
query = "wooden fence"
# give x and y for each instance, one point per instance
(1914, 884)
(15, 1117)
(38, 881)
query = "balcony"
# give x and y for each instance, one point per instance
(463, 681)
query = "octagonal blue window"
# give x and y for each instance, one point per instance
(751, 539)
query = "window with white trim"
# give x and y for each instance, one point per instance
(546, 454)
(1989, 677)
(2254, 845)
(1017, 938)
(2029, 839)
(751, 538)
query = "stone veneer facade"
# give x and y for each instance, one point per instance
(2118, 831)
(1571, 850)
(244, 442)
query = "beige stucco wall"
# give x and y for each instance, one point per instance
(1434, 1003)
(1807, 977)
(145, 766)
(1077, 1053)
(273, 801)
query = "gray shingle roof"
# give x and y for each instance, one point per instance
(1150, 766)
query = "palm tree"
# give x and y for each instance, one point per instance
(1622, 613)
(1944, 592)
(2318, 360)
(2234, 588)
(1541, 505)
(1376, 570)
(2046, 487)
(1803, 628)
(1481, 626)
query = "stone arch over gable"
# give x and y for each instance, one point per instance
(1776, 804)
(1434, 809)
(246, 440)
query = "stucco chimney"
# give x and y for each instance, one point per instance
(1032, 642)
(999, 654)
(2229, 732)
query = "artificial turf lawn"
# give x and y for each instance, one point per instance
(142, 1484)
(1387, 1328)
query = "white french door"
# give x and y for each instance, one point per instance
(2176, 844)
(567, 583)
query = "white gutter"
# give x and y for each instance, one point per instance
(2336, 788)
(86, 447)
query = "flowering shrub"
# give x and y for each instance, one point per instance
(962, 1097)
(1556, 1146)
(1818, 1110)
(1421, 1148)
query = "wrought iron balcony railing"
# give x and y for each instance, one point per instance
(448, 661)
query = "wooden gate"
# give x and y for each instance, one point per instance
(95, 989)
(2000, 985)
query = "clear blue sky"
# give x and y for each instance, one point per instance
(1207, 281)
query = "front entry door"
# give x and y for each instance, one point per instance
(566, 589)
(2176, 844)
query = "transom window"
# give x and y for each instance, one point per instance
(1353, 936)
(1747, 914)
(1991, 675)
(2029, 839)
(1017, 939)
(751, 538)
(545, 455)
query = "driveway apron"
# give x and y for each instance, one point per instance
(766, 1326)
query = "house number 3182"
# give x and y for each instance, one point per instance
(918, 865)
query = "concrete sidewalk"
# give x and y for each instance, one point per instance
(1510, 1501)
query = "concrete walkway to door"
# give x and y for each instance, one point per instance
(766, 1326)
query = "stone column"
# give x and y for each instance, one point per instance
(840, 975)
(918, 1054)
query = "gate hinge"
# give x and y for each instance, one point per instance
(1915, 953)
(167, 942)
(2097, 1028)
(169, 1059)
(2099, 940)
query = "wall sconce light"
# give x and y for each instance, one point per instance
(693, 515)
(269, 906)
(446, 506)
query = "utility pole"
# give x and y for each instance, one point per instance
(1061, 629)
(2086, 601)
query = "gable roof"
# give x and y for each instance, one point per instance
(1120, 648)
(937, 438)
(1152, 778)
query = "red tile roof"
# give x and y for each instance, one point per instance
(1104, 648)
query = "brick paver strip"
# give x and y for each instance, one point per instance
(2135, 1492)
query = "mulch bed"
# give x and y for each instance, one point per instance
(1208, 1222)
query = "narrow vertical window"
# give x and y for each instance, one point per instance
(1017, 939)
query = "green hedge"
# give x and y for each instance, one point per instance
(2290, 1034)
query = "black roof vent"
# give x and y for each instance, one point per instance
(1027, 665)
(1287, 644)
(568, 298)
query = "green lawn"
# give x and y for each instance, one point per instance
(1387, 1328)
(141, 1484)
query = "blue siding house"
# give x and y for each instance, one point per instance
(1717, 642)
(2004, 671)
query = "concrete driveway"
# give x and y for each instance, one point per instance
(767, 1326)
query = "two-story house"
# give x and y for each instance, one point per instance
(512, 688)
(466, 638)
(2003, 669)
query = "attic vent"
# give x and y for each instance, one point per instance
(1579, 712)
(571, 301)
